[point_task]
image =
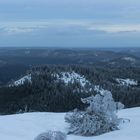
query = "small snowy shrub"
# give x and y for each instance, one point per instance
(51, 135)
(100, 116)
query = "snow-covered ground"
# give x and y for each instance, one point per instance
(22, 80)
(67, 77)
(27, 126)
(100, 90)
(131, 59)
(127, 82)
(72, 77)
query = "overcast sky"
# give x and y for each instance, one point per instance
(70, 23)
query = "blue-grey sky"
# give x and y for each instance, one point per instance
(70, 23)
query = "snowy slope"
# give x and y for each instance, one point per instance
(100, 90)
(67, 77)
(22, 80)
(72, 77)
(131, 59)
(127, 82)
(27, 126)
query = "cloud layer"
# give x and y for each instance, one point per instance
(67, 25)
(70, 22)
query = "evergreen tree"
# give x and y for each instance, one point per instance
(98, 118)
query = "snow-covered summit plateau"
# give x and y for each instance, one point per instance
(27, 126)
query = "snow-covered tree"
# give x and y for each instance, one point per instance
(51, 135)
(99, 117)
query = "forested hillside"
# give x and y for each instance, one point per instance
(59, 88)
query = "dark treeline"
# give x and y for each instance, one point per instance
(46, 93)
(11, 71)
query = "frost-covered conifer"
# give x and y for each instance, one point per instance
(51, 135)
(100, 116)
